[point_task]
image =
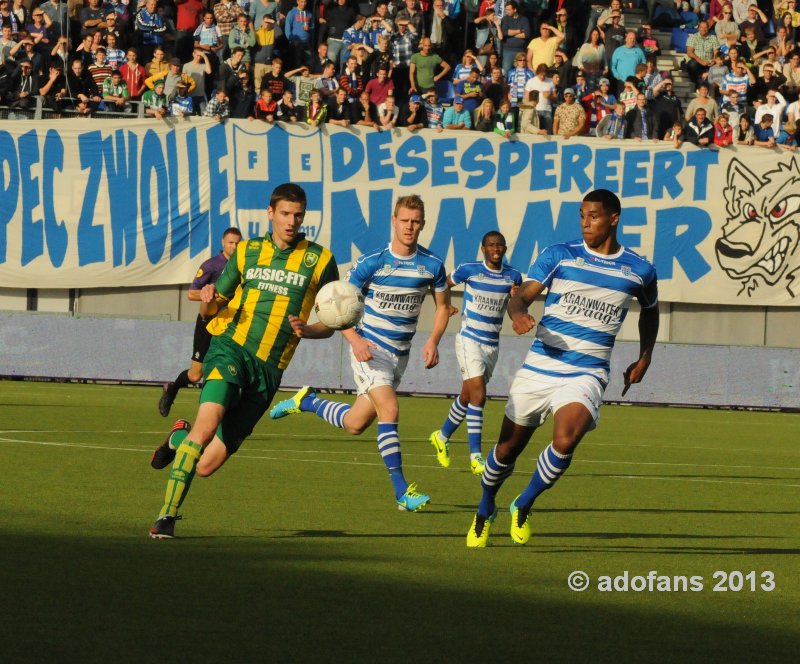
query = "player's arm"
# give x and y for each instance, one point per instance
(648, 331)
(316, 330)
(430, 351)
(450, 283)
(521, 321)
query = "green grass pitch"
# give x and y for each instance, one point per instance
(295, 551)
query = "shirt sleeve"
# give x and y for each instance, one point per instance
(648, 297)
(544, 266)
(361, 272)
(204, 276)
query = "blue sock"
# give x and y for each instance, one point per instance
(332, 412)
(474, 428)
(494, 474)
(389, 447)
(455, 417)
(549, 467)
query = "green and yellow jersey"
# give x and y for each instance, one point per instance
(263, 285)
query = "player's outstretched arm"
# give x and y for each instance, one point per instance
(648, 331)
(430, 351)
(313, 331)
(521, 321)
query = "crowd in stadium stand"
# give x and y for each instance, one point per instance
(564, 67)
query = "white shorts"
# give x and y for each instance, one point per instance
(384, 368)
(475, 359)
(532, 397)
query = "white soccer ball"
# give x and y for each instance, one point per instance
(339, 305)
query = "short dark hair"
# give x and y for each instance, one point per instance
(232, 231)
(289, 191)
(486, 237)
(608, 199)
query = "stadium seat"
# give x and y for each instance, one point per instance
(445, 90)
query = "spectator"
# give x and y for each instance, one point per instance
(351, 81)
(593, 52)
(209, 39)
(422, 69)
(287, 110)
(542, 50)
(266, 107)
(613, 125)
(243, 96)
(364, 112)
(380, 88)
(198, 69)
(340, 110)
(242, 36)
(158, 65)
(353, 37)
(725, 26)
(218, 106)
(567, 25)
(504, 122)
(388, 113)
(774, 105)
(764, 132)
(265, 46)
(739, 81)
(675, 135)
(463, 69)
(412, 16)
(457, 117)
(381, 58)
(182, 104)
(625, 58)
(116, 96)
(702, 100)
(299, 28)
(404, 44)
(189, 16)
(318, 63)
(57, 12)
(337, 18)
(546, 90)
(700, 49)
(666, 106)
(24, 88)
(563, 66)
(483, 118)
(629, 92)
(569, 119)
(744, 133)
(597, 104)
(782, 44)
(92, 18)
(787, 138)
(134, 75)
(275, 79)
(226, 12)
(529, 118)
(413, 115)
(699, 130)
(115, 57)
(53, 89)
(733, 107)
(155, 101)
(517, 79)
(767, 82)
(496, 87)
(115, 27)
(151, 29)
(757, 20)
(716, 74)
(648, 42)
(514, 33)
(229, 71)
(173, 77)
(723, 132)
(443, 30)
(470, 90)
(327, 84)
(613, 35)
(433, 111)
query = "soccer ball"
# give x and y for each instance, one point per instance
(339, 305)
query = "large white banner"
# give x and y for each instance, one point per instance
(104, 204)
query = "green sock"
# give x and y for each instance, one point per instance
(180, 477)
(177, 437)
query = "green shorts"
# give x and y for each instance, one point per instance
(245, 385)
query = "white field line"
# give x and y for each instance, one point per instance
(246, 455)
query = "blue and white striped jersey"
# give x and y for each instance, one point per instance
(394, 288)
(587, 301)
(486, 294)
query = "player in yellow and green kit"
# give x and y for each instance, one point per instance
(269, 285)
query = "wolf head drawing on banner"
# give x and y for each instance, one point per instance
(759, 242)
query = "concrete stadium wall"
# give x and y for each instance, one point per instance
(151, 350)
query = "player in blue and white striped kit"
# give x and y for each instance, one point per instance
(591, 283)
(394, 279)
(488, 284)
